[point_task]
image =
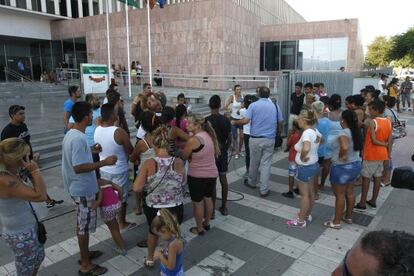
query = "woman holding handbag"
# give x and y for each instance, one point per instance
(20, 228)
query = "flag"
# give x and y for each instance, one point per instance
(132, 3)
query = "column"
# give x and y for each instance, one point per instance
(118, 6)
(13, 3)
(43, 6)
(100, 4)
(68, 8)
(90, 5)
(80, 8)
(57, 7)
(109, 3)
(29, 4)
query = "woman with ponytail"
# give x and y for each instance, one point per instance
(160, 180)
(307, 161)
(17, 218)
(346, 167)
(201, 150)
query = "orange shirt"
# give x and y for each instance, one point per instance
(383, 130)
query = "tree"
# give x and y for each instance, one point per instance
(402, 48)
(378, 52)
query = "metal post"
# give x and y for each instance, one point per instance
(128, 55)
(149, 43)
(107, 39)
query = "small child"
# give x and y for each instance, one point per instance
(109, 201)
(294, 137)
(167, 228)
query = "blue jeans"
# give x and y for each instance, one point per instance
(342, 174)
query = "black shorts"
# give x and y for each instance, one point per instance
(222, 162)
(320, 160)
(150, 213)
(200, 187)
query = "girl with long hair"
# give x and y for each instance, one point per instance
(201, 150)
(346, 167)
(307, 161)
(171, 255)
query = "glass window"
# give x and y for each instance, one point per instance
(339, 53)
(95, 4)
(5, 2)
(62, 8)
(322, 53)
(69, 52)
(50, 6)
(262, 53)
(85, 8)
(305, 54)
(2, 62)
(57, 52)
(21, 4)
(75, 11)
(288, 55)
(272, 52)
(80, 47)
(36, 6)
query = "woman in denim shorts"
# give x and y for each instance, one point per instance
(307, 160)
(346, 167)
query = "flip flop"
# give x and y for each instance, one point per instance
(330, 224)
(348, 221)
(129, 227)
(93, 255)
(94, 271)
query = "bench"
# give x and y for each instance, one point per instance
(192, 98)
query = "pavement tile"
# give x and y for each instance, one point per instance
(56, 253)
(286, 249)
(124, 264)
(318, 261)
(309, 269)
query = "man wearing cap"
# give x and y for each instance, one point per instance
(17, 128)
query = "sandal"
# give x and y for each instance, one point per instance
(148, 263)
(330, 224)
(223, 211)
(130, 226)
(94, 271)
(143, 244)
(195, 231)
(348, 221)
(93, 255)
(206, 227)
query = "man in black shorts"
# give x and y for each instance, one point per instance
(17, 128)
(222, 127)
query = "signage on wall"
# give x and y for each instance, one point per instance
(94, 78)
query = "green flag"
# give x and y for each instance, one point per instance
(132, 3)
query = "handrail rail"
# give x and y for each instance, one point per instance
(17, 75)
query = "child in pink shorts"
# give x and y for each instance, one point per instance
(109, 201)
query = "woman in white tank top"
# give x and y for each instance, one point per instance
(234, 104)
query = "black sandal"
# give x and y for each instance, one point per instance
(94, 271)
(206, 227)
(195, 231)
(142, 244)
(93, 255)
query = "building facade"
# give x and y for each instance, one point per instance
(212, 37)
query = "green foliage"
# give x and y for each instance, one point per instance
(402, 49)
(378, 52)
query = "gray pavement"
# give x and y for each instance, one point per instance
(252, 240)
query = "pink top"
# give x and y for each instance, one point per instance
(203, 162)
(109, 196)
(183, 126)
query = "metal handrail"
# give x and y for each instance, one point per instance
(17, 75)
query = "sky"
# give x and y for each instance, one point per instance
(376, 18)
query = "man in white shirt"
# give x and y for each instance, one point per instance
(115, 141)
(382, 85)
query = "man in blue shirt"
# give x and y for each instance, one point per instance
(80, 181)
(265, 120)
(74, 96)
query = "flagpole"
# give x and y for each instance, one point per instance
(149, 43)
(107, 40)
(128, 55)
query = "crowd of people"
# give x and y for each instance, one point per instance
(176, 150)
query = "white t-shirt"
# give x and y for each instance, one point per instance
(246, 127)
(380, 84)
(314, 137)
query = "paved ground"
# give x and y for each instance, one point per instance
(252, 240)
